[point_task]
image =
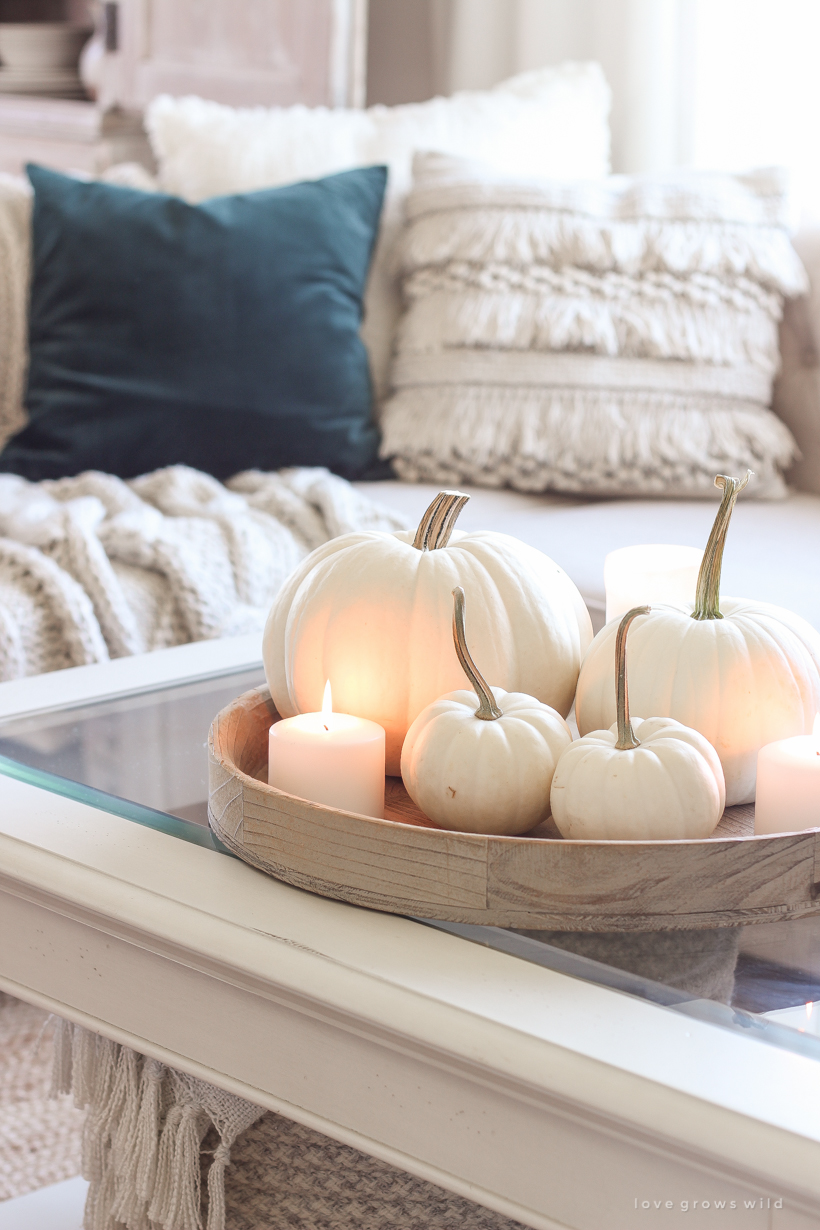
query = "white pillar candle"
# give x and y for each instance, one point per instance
(646, 575)
(329, 758)
(787, 795)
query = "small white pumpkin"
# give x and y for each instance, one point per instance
(371, 611)
(485, 770)
(740, 672)
(612, 786)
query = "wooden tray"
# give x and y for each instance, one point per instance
(405, 864)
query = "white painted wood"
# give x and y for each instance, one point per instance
(168, 946)
(240, 52)
(58, 1207)
(67, 135)
(348, 67)
(496, 1078)
(52, 119)
(80, 685)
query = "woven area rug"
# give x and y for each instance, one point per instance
(40, 1139)
(286, 1175)
(167, 1151)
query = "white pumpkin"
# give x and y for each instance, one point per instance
(371, 612)
(485, 770)
(642, 780)
(740, 672)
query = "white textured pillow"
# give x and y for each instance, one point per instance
(617, 337)
(550, 122)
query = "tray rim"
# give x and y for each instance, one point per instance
(257, 784)
(801, 845)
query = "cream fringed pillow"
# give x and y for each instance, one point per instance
(612, 337)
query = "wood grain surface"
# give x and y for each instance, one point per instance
(406, 864)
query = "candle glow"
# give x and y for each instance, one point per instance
(330, 758)
(650, 574)
(788, 784)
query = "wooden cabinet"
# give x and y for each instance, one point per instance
(240, 52)
(70, 136)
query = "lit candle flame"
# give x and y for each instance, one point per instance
(327, 699)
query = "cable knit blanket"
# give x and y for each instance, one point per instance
(93, 568)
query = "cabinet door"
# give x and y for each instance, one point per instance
(240, 52)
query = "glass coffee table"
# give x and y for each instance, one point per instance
(604, 1041)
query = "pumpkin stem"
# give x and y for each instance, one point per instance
(487, 709)
(626, 735)
(707, 595)
(439, 521)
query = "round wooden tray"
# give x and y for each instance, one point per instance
(405, 864)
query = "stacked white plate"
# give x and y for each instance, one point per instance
(41, 58)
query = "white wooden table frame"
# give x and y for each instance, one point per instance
(554, 1101)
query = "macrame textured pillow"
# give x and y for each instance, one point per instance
(616, 337)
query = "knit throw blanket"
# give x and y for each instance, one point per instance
(93, 568)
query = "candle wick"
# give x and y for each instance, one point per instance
(327, 728)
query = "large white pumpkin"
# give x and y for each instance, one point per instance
(743, 673)
(371, 612)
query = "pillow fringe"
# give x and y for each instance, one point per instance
(589, 441)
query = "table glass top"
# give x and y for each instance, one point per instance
(143, 757)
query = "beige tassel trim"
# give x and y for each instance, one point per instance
(643, 327)
(519, 235)
(589, 441)
(143, 1133)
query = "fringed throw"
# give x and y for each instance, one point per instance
(145, 1124)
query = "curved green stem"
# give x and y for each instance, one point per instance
(439, 521)
(487, 709)
(707, 595)
(626, 735)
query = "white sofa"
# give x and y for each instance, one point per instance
(772, 552)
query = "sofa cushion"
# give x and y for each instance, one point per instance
(612, 338)
(220, 336)
(553, 121)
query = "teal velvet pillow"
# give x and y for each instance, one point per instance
(223, 336)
